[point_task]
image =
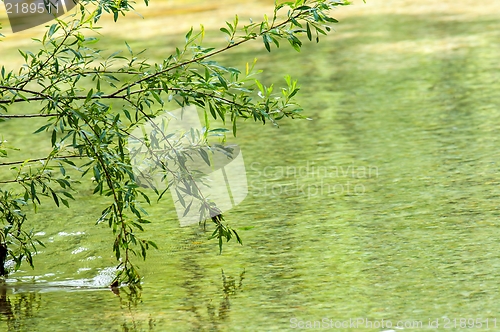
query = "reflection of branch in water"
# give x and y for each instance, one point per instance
(133, 295)
(16, 308)
(5, 306)
(130, 301)
(193, 303)
(229, 288)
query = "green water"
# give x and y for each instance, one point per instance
(385, 206)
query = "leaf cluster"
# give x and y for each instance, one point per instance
(93, 103)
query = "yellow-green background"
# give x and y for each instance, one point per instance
(408, 87)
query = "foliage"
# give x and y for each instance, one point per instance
(78, 91)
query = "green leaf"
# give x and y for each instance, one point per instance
(42, 128)
(181, 199)
(89, 95)
(40, 243)
(145, 197)
(56, 200)
(67, 194)
(157, 97)
(260, 86)
(129, 49)
(186, 211)
(266, 40)
(62, 170)
(218, 130)
(53, 28)
(294, 92)
(303, 8)
(204, 155)
(65, 202)
(330, 19)
(212, 110)
(220, 243)
(188, 35)
(226, 31)
(237, 237)
(54, 137)
(33, 192)
(234, 127)
(222, 81)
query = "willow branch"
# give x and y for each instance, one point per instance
(37, 159)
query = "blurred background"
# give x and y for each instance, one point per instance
(384, 206)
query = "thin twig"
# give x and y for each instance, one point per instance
(38, 159)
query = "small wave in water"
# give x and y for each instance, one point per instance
(100, 282)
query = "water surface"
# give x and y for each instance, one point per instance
(384, 206)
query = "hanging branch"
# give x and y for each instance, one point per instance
(76, 90)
